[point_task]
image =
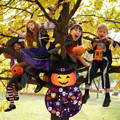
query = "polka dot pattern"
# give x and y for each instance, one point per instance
(63, 102)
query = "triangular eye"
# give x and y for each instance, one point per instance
(68, 77)
(59, 77)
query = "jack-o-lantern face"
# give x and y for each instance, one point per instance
(63, 79)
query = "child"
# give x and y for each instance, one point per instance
(37, 39)
(36, 34)
(102, 58)
(75, 39)
(12, 93)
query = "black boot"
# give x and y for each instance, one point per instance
(85, 96)
(107, 100)
(11, 107)
(38, 88)
(40, 84)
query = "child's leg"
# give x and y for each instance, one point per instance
(82, 61)
(106, 83)
(16, 97)
(107, 99)
(90, 75)
(35, 73)
(40, 84)
(10, 93)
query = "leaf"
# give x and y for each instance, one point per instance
(98, 4)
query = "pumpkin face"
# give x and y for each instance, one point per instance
(79, 50)
(17, 70)
(63, 79)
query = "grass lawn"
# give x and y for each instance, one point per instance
(31, 107)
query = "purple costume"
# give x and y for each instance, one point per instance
(35, 62)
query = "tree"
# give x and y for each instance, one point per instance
(88, 13)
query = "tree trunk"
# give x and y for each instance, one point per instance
(57, 118)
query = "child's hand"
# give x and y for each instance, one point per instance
(97, 40)
(11, 29)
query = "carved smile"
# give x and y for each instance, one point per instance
(63, 83)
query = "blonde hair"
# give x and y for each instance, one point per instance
(102, 26)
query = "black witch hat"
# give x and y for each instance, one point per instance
(62, 65)
(14, 40)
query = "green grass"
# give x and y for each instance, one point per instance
(33, 108)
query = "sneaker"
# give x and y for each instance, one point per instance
(11, 107)
(106, 102)
(85, 98)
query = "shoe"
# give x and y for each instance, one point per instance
(16, 98)
(106, 102)
(7, 98)
(11, 107)
(38, 88)
(85, 98)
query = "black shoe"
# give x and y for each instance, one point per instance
(8, 98)
(85, 98)
(11, 107)
(16, 98)
(106, 102)
(38, 88)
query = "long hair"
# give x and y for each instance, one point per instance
(32, 36)
(79, 41)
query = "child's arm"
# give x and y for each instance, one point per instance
(81, 59)
(111, 42)
(89, 48)
(6, 55)
(19, 33)
(49, 25)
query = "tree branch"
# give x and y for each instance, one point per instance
(9, 2)
(44, 11)
(112, 21)
(4, 71)
(105, 19)
(90, 33)
(4, 78)
(76, 6)
(7, 35)
(16, 8)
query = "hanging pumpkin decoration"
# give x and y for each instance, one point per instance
(63, 99)
(17, 70)
(78, 50)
